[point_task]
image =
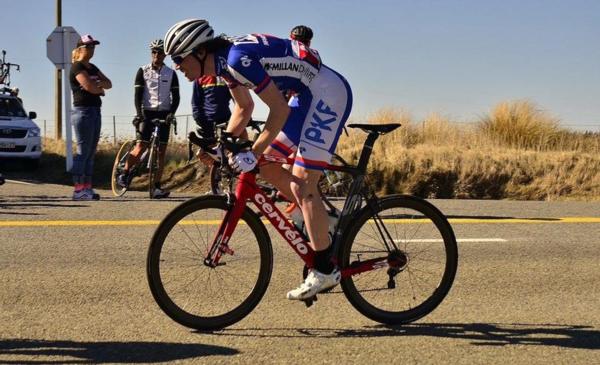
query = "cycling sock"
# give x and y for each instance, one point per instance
(323, 262)
(79, 187)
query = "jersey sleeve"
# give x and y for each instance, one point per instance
(246, 69)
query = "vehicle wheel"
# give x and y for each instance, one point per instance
(32, 164)
(119, 166)
(194, 294)
(419, 271)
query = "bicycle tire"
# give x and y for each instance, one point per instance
(164, 274)
(335, 184)
(152, 166)
(216, 178)
(118, 167)
(422, 228)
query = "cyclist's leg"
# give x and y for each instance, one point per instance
(305, 189)
(142, 133)
(330, 107)
(165, 131)
(285, 145)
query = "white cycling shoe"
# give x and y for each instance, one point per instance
(314, 283)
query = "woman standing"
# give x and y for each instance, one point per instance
(88, 84)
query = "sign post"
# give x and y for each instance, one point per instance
(59, 45)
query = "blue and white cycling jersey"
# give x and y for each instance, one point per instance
(324, 98)
(255, 59)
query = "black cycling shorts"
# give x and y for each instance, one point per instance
(145, 128)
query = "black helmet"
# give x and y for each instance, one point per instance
(302, 33)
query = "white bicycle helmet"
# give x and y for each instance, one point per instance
(157, 44)
(185, 36)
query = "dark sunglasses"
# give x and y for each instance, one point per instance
(157, 51)
(177, 60)
(88, 46)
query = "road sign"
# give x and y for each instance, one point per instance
(59, 45)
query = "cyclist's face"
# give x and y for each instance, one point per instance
(190, 67)
(158, 57)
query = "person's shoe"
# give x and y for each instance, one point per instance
(83, 194)
(124, 180)
(314, 283)
(160, 194)
(95, 196)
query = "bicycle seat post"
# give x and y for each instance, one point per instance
(366, 152)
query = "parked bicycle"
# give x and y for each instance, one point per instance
(148, 161)
(210, 260)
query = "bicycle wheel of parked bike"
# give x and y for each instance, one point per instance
(421, 260)
(119, 166)
(152, 166)
(218, 182)
(199, 296)
(335, 184)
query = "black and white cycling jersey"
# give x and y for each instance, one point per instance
(156, 89)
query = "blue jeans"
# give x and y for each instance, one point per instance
(86, 124)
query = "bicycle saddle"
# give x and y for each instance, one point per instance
(376, 128)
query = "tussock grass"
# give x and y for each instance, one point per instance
(517, 151)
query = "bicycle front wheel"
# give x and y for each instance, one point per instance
(152, 166)
(199, 296)
(420, 254)
(119, 166)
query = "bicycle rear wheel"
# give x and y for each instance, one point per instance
(199, 296)
(119, 166)
(153, 166)
(419, 272)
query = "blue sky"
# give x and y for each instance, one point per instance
(456, 58)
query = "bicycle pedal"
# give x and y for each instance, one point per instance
(310, 301)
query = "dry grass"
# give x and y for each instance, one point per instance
(515, 152)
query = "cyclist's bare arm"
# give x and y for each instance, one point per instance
(278, 114)
(242, 110)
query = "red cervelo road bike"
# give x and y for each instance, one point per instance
(210, 260)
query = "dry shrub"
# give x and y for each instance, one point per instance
(521, 125)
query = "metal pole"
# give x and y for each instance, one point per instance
(68, 132)
(44, 128)
(187, 119)
(114, 131)
(58, 83)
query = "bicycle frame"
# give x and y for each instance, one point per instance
(247, 189)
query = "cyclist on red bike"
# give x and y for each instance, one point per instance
(308, 131)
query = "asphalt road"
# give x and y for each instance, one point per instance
(527, 291)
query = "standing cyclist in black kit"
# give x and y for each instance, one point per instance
(156, 96)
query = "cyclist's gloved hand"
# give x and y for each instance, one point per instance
(137, 120)
(243, 161)
(216, 153)
(170, 118)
